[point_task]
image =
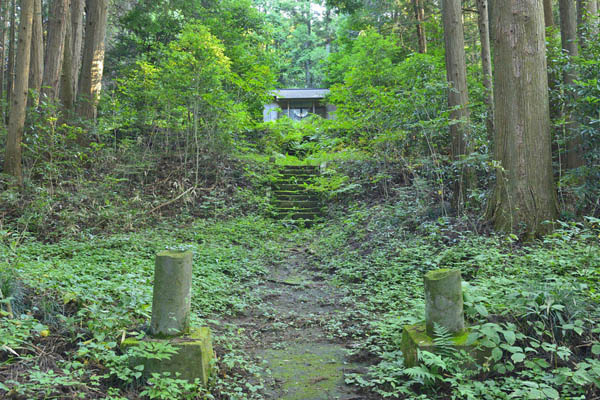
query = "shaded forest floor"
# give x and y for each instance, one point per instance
(307, 313)
(293, 331)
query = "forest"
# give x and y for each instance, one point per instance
(300, 200)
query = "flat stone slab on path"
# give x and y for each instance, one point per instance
(309, 371)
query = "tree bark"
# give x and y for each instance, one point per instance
(568, 35)
(548, 15)
(458, 95)
(486, 63)
(11, 56)
(420, 17)
(90, 83)
(36, 69)
(524, 196)
(66, 78)
(4, 37)
(12, 162)
(77, 11)
(57, 25)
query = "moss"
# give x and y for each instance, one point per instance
(415, 337)
(173, 254)
(192, 360)
(438, 274)
(308, 370)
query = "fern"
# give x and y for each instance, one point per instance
(421, 374)
(442, 339)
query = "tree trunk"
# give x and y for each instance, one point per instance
(458, 95)
(548, 15)
(57, 25)
(4, 37)
(420, 17)
(568, 35)
(524, 196)
(66, 79)
(12, 162)
(486, 63)
(77, 9)
(36, 69)
(11, 56)
(90, 83)
(308, 46)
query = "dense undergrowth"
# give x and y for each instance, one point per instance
(532, 305)
(74, 301)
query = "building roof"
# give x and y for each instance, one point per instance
(288, 94)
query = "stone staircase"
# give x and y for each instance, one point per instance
(293, 201)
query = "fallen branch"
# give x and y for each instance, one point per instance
(172, 200)
(284, 282)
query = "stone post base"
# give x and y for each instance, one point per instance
(415, 337)
(192, 360)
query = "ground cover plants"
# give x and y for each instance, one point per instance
(73, 301)
(533, 306)
(311, 236)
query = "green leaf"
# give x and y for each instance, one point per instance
(496, 354)
(518, 357)
(551, 393)
(510, 337)
(480, 308)
(535, 394)
(596, 349)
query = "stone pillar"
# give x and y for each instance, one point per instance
(171, 299)
(444, 301)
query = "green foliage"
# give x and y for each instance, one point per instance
(577, 187)
(164, 387)
(531, 310)
(98, 289)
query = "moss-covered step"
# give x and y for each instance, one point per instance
(299, 215)
(192, 360)
(415, 339)
(290, 187)
(281, 195)
(309, 168)
(292, 198)
(297, 203)
(284, 210)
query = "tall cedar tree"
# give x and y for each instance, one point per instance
(77, 11)
(36, 70)
(420, 18)
(548, 15)
(525, 195)
(66, 87)
(57, 26)
(486, 62)
(458, 95)
(5, 6)
(16, 125)
(72, 54)
(568, 35)
(10, 71)
(90, 82)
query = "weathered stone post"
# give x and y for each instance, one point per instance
(171, 300)
(170, 323)
(443, 306)
(444, 300)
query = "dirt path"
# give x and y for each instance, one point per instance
(289, 332)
